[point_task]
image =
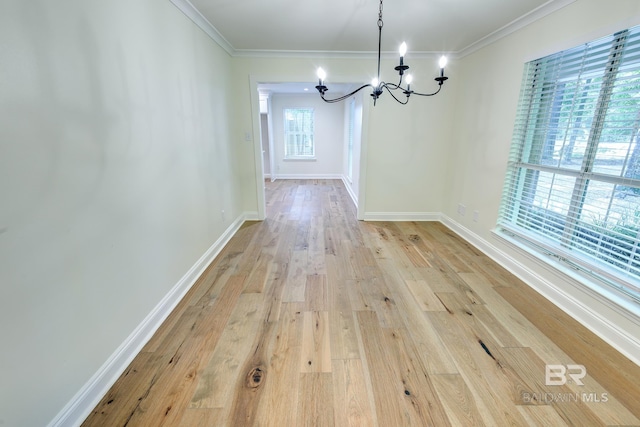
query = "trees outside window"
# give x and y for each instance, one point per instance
(572, 189)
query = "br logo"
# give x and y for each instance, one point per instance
(557, 374)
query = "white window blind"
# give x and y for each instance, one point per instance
(298, 133)
(572, 188)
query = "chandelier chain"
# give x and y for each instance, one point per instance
(380, 23)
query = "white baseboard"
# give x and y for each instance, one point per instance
(402, 216)
(81, 405)
(249, 216)
(347, 185)
(587, 309)
(307, 176)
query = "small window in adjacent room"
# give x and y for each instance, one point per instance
(298, 133)
(572, 190)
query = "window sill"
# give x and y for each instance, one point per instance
(590, 283)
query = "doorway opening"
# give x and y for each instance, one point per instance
(338, 138)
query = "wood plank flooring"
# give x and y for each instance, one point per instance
(312, 318)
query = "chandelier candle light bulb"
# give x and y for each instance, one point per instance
(442, 63)
(321, 76)
(409, 80)
(378, 87)
(402, 68)
(403, 52)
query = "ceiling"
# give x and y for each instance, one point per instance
(447, 26)
(346, 28)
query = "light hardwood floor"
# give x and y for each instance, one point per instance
(311, 318)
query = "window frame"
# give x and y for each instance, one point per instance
(526, 164)
(304, 134)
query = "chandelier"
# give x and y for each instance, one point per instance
(378, 86)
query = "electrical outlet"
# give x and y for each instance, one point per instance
(476, 215)
(462, 209)
(224, 217)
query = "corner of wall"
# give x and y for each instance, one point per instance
(192, 13)
(81, 405)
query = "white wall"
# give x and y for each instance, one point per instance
(488, 90)
(116, 161)
(406, 147)
(328, 136)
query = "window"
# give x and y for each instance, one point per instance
(298, 133)
(572, 189)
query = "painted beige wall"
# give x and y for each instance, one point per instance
(116, 161)
(406, 146)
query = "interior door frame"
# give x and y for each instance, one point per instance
(254, 82)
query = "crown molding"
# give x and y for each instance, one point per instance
(332, 54)
(203, 23)
(513, 26)
(192, 13)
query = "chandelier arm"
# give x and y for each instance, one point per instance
(386, 86)
(427, 94)
(342, 98)
(392, 86)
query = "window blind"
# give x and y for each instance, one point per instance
(572, 188)
(298, 133)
